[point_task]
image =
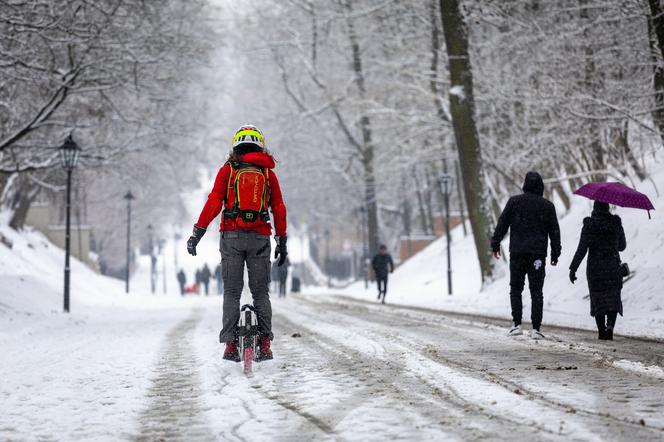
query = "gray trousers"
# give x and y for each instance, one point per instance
(238, 247)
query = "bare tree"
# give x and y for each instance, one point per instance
(462, 108)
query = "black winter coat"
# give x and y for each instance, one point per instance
(532, 220)
(602, 238)
(380, 265)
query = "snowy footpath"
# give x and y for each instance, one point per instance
(344, 370)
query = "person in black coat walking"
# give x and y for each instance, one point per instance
(220, 281)
(533, 222)
(380, 264)
(182, 280)
(282, 273)
(602, 238)
(205, 278)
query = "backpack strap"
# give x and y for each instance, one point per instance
(230, 178)
(231, 212)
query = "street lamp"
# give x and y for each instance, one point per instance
(153, 261)
(69, 153)
(128, 197)
(162, 243)
(446, 183)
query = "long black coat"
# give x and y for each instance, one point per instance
(602, 238)
(532, 220)
(380, 264)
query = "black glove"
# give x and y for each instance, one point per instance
(281, 251)
(192, 242)
(572, 276)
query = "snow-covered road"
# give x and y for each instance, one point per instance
(344, 370)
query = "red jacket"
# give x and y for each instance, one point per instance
(217, 197)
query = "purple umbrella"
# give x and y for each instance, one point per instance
(617, 194)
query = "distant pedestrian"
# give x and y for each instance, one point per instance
(533, 222)
(295, 284)
(274, 277)
(282, 274)
(380, 263)
(198, 277)
(220, 280)
(182, 280)
(602, 238)
(205, 278)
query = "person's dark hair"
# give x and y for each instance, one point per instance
(236, 153)
(382, 247)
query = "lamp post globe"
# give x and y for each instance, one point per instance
(69, 153)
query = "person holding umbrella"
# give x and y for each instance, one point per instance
(602, 239)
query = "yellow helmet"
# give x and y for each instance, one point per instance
(248, 133)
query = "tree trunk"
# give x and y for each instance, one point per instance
(462, 210)
(462, 109)
(656, 32)
(367, 157)
(26, 194)
(558, 188)
(4, 179)
(596, 149)
(435, 51)
(432, 188)
(622, 141)
(420, 202)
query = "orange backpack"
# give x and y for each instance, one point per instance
(248, 194)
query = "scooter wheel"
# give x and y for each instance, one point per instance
(248, 359)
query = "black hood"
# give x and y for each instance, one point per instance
(533, 183)
(600, 208)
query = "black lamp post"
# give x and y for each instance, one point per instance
(153, 261)
(69, 153)
(446, 182)
(162, 243)
(128, 197)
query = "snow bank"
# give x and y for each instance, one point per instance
(82, 375)
(422, 280)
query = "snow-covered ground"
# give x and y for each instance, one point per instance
(80, 375)
(149, 367)
(422, 280)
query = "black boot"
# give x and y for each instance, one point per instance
(609, 334)
(601, 327)
(610, 324)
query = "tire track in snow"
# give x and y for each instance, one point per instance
(392, 384)
(431, 353)
(174, 400)
(377, 319)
